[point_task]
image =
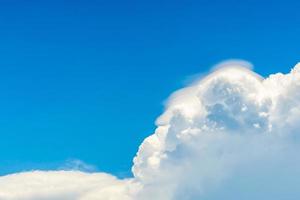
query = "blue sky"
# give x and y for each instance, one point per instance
(87, 79)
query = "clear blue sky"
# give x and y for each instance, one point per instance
(86, 79)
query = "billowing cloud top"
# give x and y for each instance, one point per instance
(231, 135)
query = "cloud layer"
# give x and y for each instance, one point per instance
(232, 135)
(64, 185)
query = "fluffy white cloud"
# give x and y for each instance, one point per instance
(230, 135)
(221, 132)
(64, 185)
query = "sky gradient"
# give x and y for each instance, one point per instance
(86, 80)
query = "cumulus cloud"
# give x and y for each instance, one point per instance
(220, 129)
(64, 185)
(231, 135)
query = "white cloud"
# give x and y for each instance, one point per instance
(221, 128)
(64, 185)
(230, 135)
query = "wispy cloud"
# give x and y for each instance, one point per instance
(77, 165)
